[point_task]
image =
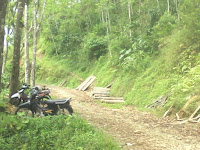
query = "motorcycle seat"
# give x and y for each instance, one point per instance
(56, 101)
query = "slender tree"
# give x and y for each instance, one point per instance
(5, 50)
(36, 30)
(27, 66)
(3, 7)
(130, 18)
(34, 43)
(168, 6)
(14, 83)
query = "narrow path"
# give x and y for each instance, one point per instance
(141, 130)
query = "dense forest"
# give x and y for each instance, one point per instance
(148, 48)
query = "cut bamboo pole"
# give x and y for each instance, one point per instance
(166, 113)
(194, 113)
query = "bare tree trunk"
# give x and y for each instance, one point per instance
(14, 84)
(129, 17)
(3, 7)
(27, 65)
(168, 6)
(108, 31)
(177, 10)
(34, 44)
(102, 15)
(36, 30)
(109, 24)
(5, 51)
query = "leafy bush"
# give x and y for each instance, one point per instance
(96, 46)
(58, 132)
(164, 28)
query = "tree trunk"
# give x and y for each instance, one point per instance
(102, 15)
(177, 10)
(27, 66)
(36, 30)
(108, 30)
(34, 44)
(3, 7)
(129, 17)
(168, 6)
(5, 51)
(14, 84)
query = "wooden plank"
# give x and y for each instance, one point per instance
(98, 97)
(88, 83)
(101, 89)
(83, 83)
(112, 101)
(113, 98)
(101, 95)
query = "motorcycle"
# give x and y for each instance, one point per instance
(40, 107)
(20, 96)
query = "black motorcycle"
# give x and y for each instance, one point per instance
(39, 107)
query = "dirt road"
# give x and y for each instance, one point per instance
(135, 130)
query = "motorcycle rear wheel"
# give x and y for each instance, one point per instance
(24, 112)
(67, 110)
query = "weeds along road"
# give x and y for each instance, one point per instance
(134, 129)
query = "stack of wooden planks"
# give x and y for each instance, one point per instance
(85, 84)
(100, 92)
(103, 94)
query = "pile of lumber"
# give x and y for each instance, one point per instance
(103, 94)
(99, 92)
(85, 84)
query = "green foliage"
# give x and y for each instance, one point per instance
(160, 56)
(96, 46)
(58, 132)
(162, 29)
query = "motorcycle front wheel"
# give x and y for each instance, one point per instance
(24, 112)
(67, 110)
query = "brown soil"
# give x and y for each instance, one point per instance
(134, 129)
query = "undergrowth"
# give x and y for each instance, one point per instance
(51, 133)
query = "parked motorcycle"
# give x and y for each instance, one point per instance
(40, 107)
(20, 96)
